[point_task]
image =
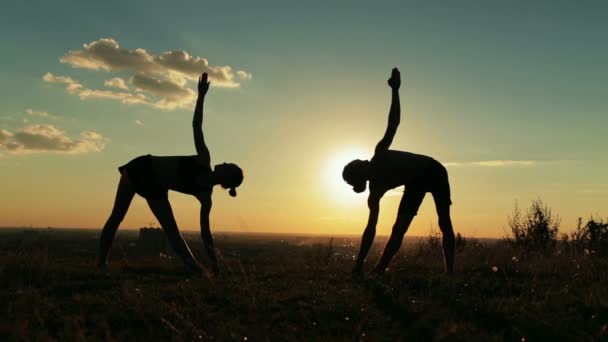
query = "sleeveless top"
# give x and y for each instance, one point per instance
(190, 175)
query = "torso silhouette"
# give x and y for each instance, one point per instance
(389, 169)
(153, 176)
(185, 174)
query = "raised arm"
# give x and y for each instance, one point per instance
(197, 121)
(394, 115)
(373, 202)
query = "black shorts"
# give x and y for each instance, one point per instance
(434, 179)
(140, 173)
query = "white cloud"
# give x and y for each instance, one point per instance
(38, 114)
(191, 67)
(91, 135)
(71, 85)
(493, 163)
(5, 135)
(122, 97)
(76, 88)
(116, 82)
(163, 88)
(170, 95)
(107, 55)
(32, 112)
(244, 75)
(161, 81)
(49, 138)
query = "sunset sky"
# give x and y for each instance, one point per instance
(511, 96)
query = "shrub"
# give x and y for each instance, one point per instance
(593, 235)
(536, 229)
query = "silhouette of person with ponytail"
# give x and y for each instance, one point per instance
(389, 169)
(152, 177)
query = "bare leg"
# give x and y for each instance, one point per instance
(394, 242)
(445, 224)
(124, 195)
(164, 214)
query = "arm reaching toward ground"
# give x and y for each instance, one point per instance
(197, 121)
(206, 204)
(373, 202)
(394, 115)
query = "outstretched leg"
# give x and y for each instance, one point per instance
(164, 214)
(124, 195)
(443, 200)
(408, 208)
(394, 242)
(445, 224)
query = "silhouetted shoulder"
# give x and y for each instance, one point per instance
(393, 156)
(390, 168)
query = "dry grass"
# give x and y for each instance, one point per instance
(281, 289)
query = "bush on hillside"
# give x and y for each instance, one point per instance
(536, 229)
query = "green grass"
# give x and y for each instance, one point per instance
(283, 289)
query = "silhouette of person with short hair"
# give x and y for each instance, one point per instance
(153, 176)
(389, 169)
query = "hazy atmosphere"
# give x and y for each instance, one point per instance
(510, 97)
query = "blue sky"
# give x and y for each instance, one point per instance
(483, 81)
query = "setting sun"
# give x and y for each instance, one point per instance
(339, 190)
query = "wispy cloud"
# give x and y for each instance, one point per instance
(116, 82)
(49, 138)
(71, 85)
(160, 81)
(76, 88)
(244, 75)
(42, 114)
(493, 163)
(5, 136)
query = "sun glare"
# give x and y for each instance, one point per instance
(340, 191)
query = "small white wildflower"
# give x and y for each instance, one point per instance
(494, 269)
(586, 251)
(514, 259)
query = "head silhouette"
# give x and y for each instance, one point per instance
(355, 173)
(229, 176)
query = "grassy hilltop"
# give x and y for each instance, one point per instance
(296, 289)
